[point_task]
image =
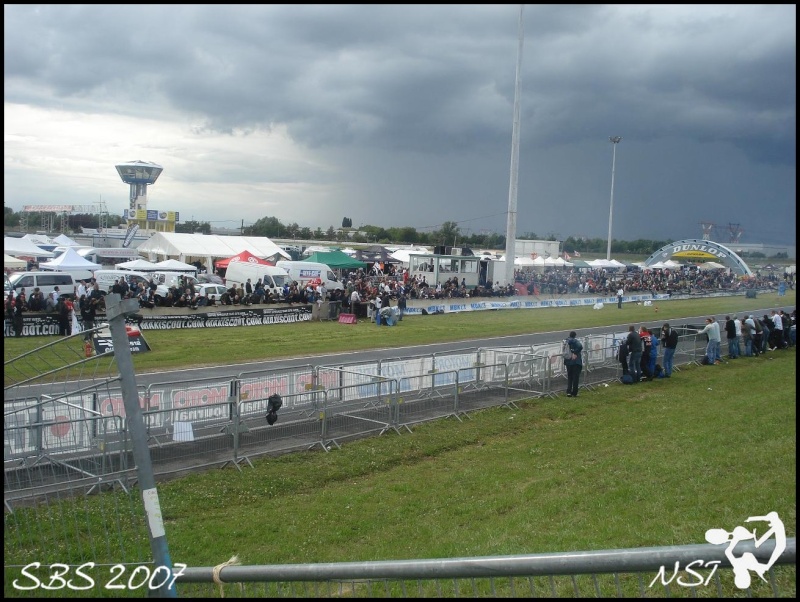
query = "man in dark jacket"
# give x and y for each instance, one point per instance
(635, 349)
(669, 338)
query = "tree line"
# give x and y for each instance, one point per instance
(448, 234)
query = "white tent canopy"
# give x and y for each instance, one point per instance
(403, 255)
(64, 241)
(39, 239)
(13, 263)
(207, 247)
(138, 265)
(69, 260)
(23, 247)
(173, 265)
(710, 265)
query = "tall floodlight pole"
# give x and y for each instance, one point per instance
(511, 224)
(614, 141)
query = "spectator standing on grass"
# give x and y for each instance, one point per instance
(669, 339)
(712, 333)
(620, 292)
(758, 335)
(739, 337)
(574, 365)
(730, 335)
(766, 327)
(401, 306)
(635, 350)
(776, 341)
(748, 332)
(717, 342)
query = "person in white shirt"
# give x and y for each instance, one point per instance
(378, 304)
(620, 292)
(711, 330)
(776, 336)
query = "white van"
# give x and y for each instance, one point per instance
(303, 271)
(106, 278)
(273, 277)
(44, 281)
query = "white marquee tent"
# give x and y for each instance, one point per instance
(69, 260)
(64, 241)
(13, 263)
(207, 247)
(139, 265)
(23, 247)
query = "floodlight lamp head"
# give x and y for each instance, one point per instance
(615, 139)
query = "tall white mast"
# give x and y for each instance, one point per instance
(511, 224)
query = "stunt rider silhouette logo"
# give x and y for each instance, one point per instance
(742, 565)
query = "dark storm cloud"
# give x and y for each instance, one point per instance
(414, 103)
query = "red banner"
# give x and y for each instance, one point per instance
(347, 319)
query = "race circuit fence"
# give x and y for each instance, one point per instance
(63, 443)
(60, 440)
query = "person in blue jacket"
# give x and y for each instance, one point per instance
(574, 365)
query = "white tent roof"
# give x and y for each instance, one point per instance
(13, 263)
(64, 241)
(69, 260)
(710, 265)
(23, 246)
(175, 266)
(403, 255)
(183, 246)
(38, 239)
(606, 263)
(140, 265)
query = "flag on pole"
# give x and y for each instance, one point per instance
(576, 253)
(566, 256)
(534, 255)
(547, 254)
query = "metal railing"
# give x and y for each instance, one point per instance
(671, 571)
(220, 421)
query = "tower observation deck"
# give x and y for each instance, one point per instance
(139, 175)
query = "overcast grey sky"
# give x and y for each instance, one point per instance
(401, 115)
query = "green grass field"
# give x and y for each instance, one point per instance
(655, 464)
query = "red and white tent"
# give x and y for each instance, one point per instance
(246, 256)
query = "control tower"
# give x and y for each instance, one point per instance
(139, 174)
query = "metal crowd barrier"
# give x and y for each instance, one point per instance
(220, 421)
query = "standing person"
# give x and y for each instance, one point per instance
(88, 314)
(766, 335)
(647, 347)
(401, 306)
(635, 349)
(748, 328)
(739, 338)
(573, 365)
(620, 292)
(758, 333)
(669, 338)
(713, 338)
(730, 334)
(378, 302)
(776, 339)
(19, 309)
(718, 341)
(62, 315)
